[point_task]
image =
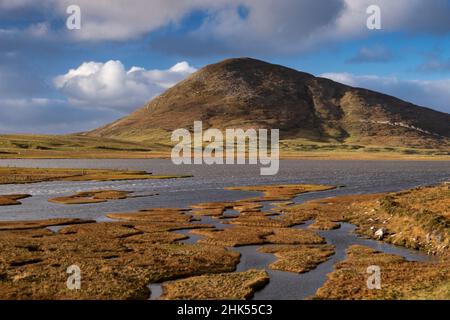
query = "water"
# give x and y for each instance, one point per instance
(208, 183)
(293, 286)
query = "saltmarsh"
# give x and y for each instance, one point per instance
(119, 259)
(15, 175)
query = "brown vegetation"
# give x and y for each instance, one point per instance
(320, 224)
(224, 286)
(95, 196)
(248, 93)
(38, 224)
(418, 218)
(117, 259)
(250, 208)
(14, 175)
(298, 258)
(281, 192)
(400, 279)
(241, 236)
(12, 199)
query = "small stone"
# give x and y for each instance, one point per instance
(380, 233)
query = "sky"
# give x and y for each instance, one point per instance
(58, 78)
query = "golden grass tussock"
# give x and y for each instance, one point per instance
(94, 196)
(117, 260)
(233, 237)
(158, 219)
(214, 209)
(224, 286)
(418, 218)
(14, 175)
(400, 279)
(37, 224)
(12, 199)
(281, 192)
(294, 236)
(154, 215)
(253, 205)
(241, 236)
(320, 224)
(298, 258)
(256, 220)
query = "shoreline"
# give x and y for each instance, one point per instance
(300, 156)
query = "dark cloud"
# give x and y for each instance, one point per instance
(264, 28)
(430, 17)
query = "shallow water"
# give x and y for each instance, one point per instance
(208, 185)
(294, 286)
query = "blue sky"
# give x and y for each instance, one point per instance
(55, 80)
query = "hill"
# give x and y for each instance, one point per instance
(249, 93)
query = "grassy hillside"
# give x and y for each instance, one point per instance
(74, 146)
(80, 146)
(317, 118)
(248, 93)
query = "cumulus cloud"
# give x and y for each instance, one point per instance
(432, 94)
(110, 85)
(95, 94)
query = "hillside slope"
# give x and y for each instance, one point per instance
(248, 93)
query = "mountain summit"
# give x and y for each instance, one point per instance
(249, 93)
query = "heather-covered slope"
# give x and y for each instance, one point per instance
(248, 93)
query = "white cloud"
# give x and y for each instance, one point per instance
(433, 94)
(284, 26)
(110, 85)
(123, 20)
(266, 27)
